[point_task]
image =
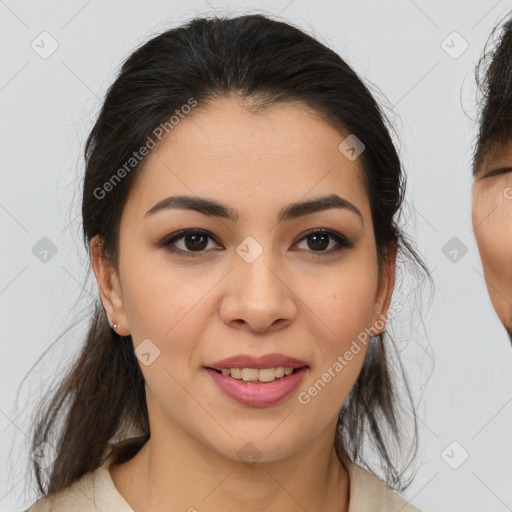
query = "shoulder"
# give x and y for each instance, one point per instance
(80, 495)
(368, 492)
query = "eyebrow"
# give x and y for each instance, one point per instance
(215, 209)
(498, 170)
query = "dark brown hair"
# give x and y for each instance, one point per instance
(101, 400)
(493, 75)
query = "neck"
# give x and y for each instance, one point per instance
(186, 475)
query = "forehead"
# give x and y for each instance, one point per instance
(282, 153)
(498, 154)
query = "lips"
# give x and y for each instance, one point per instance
(258, 394)
(266, 361)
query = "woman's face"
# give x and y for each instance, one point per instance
(492, 224)
(251, 285)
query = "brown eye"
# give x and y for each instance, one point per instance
(194, 240)
(318, 240)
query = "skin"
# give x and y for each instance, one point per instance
(203, 308)
(492, 224)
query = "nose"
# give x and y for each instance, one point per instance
(258, 297)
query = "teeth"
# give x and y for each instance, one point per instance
(237, 373)
(253, 374)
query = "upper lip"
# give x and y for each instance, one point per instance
(266, 361)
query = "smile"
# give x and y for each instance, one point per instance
(258, 387)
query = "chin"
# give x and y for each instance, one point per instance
(260, 451)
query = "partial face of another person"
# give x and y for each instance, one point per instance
(245, 281)
(492, 224)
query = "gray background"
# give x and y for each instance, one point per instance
(48, 106)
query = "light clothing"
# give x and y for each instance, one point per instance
(96, 492)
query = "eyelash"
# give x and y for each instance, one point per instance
(341, 240)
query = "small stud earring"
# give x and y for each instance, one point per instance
(115, 326)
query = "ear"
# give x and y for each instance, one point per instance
(109, 287)
(385, 288)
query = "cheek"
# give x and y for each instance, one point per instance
(341, 341)
(349, 306)
(167, 308)
(164, 303)
(492, 224)
(173, 306)
(340, 303)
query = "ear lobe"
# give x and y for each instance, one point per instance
(385, 287)
(109, 287)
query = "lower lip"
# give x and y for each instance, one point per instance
(258, 394)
